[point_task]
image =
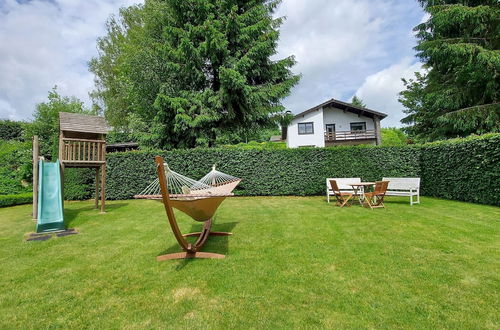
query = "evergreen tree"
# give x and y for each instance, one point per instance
(358, 101)
(459, 93)
(193, 69)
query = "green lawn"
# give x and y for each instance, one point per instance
(292, 262)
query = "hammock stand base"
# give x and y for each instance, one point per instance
(190, 255)
(189, 250)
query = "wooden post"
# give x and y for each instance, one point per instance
(103, 177)
(378, 136)
(35, 177)
(97, 188)
(62, 158)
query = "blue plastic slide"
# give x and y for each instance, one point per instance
(50, 204)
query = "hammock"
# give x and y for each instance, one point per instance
(198, 199)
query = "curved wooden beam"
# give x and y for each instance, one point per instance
(190, 250)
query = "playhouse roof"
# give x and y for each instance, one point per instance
(74, 122)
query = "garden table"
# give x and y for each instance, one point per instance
(356, 187)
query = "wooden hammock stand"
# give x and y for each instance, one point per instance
(203, 203)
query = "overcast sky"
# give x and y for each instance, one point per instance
(343, 48)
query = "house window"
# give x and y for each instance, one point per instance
(306, 128)
(358, 126)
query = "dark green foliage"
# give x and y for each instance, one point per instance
(264, 171)
(15, 167)
(459, 94)
(11, 130)
(465, 170)
(193, 70)
(358, 101)
(258, 145)
(19, 199)
(79, 183)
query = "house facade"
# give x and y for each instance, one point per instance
(335, 123)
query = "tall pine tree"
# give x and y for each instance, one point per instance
(459, 93)
(194, 69)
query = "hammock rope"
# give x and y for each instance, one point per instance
(215, 183)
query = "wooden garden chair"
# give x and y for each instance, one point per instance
(375, 199)
(341, 196)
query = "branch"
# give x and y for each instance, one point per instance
(477, 107)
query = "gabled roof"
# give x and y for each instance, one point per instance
(345, 106)
(73, 122)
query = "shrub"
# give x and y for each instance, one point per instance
(15, 167)
(264, 172)
(10, 200)
(10, 130)
(79, 183)
(462, 169)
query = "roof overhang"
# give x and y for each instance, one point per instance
(346, 107)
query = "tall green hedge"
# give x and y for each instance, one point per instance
(462, 169)
(465, 169)
(264, 172)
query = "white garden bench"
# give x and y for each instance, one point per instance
(343, 184)
(404, 187)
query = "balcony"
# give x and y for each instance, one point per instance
(350, 135)
(80, 152)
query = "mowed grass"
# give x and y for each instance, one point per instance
(292, 262)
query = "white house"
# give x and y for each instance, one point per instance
(335, 123)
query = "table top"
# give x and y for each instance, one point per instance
(362, 184)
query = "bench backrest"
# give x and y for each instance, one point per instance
(343, 183)
(402, 183)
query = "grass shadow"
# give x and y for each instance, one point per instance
(70, 215)
(214, 244)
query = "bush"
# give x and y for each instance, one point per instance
(11, 130)
(79, 183)
(393, 137)
(10, 200)
(264, 172)
(462, 169)
(15, 167)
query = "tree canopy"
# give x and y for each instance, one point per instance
(192, 70)
(46, 120)
(459, 93)
(358, 101)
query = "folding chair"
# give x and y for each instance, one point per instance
(342, 197)
(375, 199)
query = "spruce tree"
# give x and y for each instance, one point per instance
(459, 93)
(358, 102)
(195, 69)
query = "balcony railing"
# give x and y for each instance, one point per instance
(350, 135)
(83, 151)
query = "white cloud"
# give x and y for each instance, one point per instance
(47, 43)
(380, 91)
(339, 43)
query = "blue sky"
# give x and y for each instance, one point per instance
(343, 48)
